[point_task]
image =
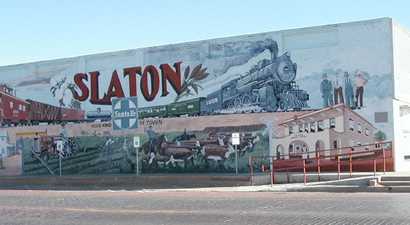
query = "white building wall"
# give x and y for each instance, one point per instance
(401, 67)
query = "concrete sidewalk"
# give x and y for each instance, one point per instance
(359, 182)
(351, 185)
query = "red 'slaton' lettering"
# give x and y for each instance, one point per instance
(149, 83)
(174, 77)
(79, 81)
(150, 93)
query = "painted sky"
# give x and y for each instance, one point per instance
(50, 29)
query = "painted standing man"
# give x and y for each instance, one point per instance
(349, 91)
(360, 83)
(338, 90)
(152, 139)
(326, 91)
(64, 138)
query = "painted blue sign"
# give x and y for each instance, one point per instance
(124, 113)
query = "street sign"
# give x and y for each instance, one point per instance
(124, 113)
(235, 139)
(136, 141)
(59, 148)
(137, 144)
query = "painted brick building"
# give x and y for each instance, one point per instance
(328, 128)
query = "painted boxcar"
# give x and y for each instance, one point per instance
(12, 109)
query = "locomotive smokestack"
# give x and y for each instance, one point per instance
(272, 46)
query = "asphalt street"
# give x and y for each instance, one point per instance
(19, 207)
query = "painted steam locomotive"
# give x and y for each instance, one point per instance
(268, 86)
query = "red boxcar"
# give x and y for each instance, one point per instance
(12, 109)
(41, 112)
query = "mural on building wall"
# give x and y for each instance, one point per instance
(266, 85)
(9, 155)
(343, 91)
(326, 71)
(209, 150)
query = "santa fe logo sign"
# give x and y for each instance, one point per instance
(124, 113)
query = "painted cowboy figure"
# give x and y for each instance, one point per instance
(338, 91)
(360, 83)
(326, 91)
(349, 91)
(152, 137)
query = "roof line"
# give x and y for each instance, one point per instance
(341, 105)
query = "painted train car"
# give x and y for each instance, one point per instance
(15, 111)
(12, 109)
(41, 112)
(98, 115)
(190, 107)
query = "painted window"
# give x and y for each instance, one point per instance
(335, 144)
(351, 124)
(332, 122)
(359, 128)
(306, 127)
(11, 105)
(320, 125)
(313, 127)
(290, 129)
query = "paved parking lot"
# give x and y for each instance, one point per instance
(104, 207)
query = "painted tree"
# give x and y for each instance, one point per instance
(190, 86)
(380, 136)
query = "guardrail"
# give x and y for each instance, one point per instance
(374, 158)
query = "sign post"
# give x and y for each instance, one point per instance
(136, 146)
(235, 142)
(60, 150)
(125, 116)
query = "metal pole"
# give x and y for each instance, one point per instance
(272, 180)
(251, 169)
(59, 163)
(338, 167)
(318, 166)
(350, 163)
(384, 161)
(136, 162)
(236, 161)
(304, 172)
(270, 134)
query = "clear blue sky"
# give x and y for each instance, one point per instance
(34, 30)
